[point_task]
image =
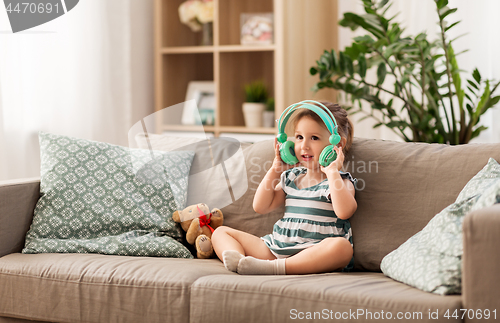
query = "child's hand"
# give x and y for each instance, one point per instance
(279, 165)
(337, 164)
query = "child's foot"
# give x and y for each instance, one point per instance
(231, 258)
(254, 266)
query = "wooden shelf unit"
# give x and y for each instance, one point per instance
(179, 59)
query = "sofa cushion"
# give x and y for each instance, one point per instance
(353, 297)
(100, 288)
(101, 198)
(431, 260)
(401, 186)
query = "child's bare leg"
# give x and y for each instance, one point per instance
(328, 255)
(231, 245)
(225, 238)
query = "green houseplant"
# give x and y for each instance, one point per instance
(427, 99)
(256, 97)
(268, 115)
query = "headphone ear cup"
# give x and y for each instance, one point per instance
(335, 139)
(327, 156)
(287, 153)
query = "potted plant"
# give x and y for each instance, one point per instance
(427, 100)
(255, 103)
(268, 115)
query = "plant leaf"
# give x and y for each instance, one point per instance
(362, 66)
(476, 76)
(349, 66)
(397, 124)
(473, 84)
(348, 21)
(493, 101)
(477, 131)
(382, 3)
(333, 57)
(484, 98)
(469, 109)
(469, 98)
(342, 65)
(472, 90)
(366, 39)
(441, 3)
(352, 51)
(381, 73)
(367, 22)
(451, 26)
(445, 11)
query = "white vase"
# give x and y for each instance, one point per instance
(252, 112)
(268, 119)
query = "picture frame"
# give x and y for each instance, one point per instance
(257, 28)
(203, 111)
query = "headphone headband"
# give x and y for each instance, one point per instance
(323, 112)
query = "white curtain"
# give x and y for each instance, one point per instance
(479, 22)
(86, 74)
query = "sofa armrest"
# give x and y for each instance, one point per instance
(481, 260)
(17, 202)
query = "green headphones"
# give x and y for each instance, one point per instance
(287, 148)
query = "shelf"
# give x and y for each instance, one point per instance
(212, 49)
(302, 30)
(187, 49)
(246, 48)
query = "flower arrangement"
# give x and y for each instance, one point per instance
(195, 13)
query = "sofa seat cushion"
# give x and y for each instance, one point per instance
(99, 288)
(295, 298)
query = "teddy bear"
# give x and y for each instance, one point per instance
(199, 224)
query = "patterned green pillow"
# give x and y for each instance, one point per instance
(101, 198)
(431, 260)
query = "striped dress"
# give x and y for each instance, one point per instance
(309, 217)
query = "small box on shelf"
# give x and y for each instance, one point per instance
(257, 28)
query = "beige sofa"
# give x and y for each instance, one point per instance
(401, 187)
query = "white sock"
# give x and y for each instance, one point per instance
(231, 258)
(253, 266)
